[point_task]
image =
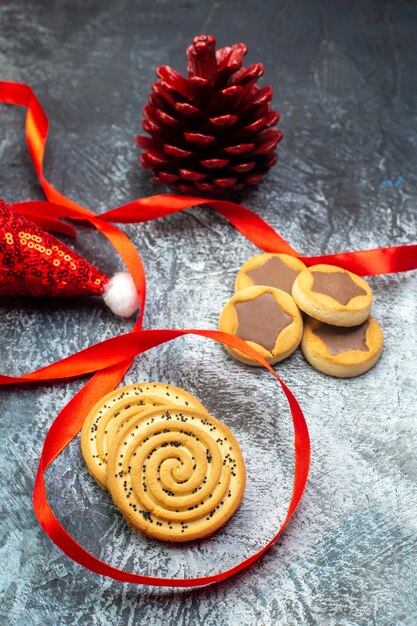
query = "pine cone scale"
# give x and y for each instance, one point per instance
(199, 138)
(243, 168)
(223, 121)
(214, 164)
(177, 152)
(190, 175)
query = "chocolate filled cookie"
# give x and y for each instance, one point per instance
(273, 270)
(333, 295)
(343, 352)
(267, 319)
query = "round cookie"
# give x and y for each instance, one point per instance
(110, 412)
(267, 319)
(176, 473)
(342, 351)
(333, 295)
(273, 270)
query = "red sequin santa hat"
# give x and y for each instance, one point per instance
(34, 262)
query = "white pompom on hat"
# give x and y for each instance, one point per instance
(120, 294)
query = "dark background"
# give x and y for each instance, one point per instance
(344, 75)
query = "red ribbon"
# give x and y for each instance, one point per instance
(110, 359)
(362, 262)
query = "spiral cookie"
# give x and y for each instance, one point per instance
(267, 319)
(333, 295)
(110, 413)
(342, 352)
(176, 474)
(273, 270)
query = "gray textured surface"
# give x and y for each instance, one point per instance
(345, 79)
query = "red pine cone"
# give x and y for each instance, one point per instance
(211, 131)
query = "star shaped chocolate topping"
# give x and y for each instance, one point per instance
(337, 285)
(261, 320)
(274, 273)
(340, 339)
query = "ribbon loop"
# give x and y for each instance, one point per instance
(70, 420)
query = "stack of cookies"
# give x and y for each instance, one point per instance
(174, 471)
(338, 335)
